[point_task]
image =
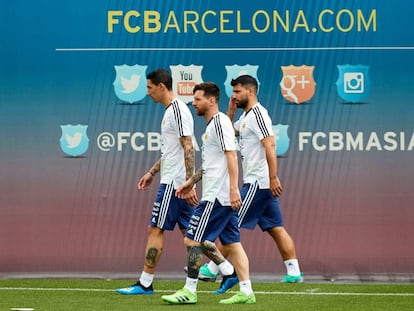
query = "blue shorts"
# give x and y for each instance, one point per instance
(211, 221)
(168, 210)
(260, 207)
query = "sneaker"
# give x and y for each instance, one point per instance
(239, 298)
(182, 296)
(136, 289)
(227, 282)
(205, 275)
(292, 279)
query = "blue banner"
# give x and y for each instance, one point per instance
(77, 129)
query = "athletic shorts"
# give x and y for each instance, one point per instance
(210, 221)
(260, 207)
(168, 210)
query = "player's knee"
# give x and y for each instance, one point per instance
(277, 231)
(233, 248)
(208, 247)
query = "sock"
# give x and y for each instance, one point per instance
(191, 285)
(246, 287)
(226, 268)
(213, 267)
(146, 279)
(292, 267)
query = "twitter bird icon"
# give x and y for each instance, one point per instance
(74, 140)
(131, 84)
(127, 85)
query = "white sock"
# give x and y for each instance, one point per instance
(292, 267)
(191, 285)
(246, 287)
(146, 279)
(213, 267)
(226, 268)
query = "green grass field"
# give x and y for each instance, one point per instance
(65, 295)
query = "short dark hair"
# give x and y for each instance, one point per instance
(161, 76)
(245, 80)
(209, 88)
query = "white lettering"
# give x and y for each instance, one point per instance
(391, 142)
(356, 143)
(359, 141)
(411, 144)
(154, 141)
(373, 142)
(336, 141)
(134, 138)
(315, 144)
(122, 139)
(304, 139)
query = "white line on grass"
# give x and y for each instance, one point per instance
(310, 293)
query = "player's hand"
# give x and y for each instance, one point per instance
(235, 200)
(232, 103)
(184, 189)
(276, 186)
(232, 108)
(192, 198)
(145, 181)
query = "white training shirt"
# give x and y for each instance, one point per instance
(176, 123)
(218, 137)
(253, 126)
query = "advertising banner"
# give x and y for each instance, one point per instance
(77, 129)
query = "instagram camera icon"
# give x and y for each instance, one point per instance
(353, 82)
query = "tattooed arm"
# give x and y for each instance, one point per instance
(187, 144)
(187, 187)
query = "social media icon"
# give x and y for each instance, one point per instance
(185, 79)
(353, 84)
(74, 140)
(130, 83)
(297, 84)
(282, 140)
(235, 71)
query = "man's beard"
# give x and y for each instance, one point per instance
(242, 103)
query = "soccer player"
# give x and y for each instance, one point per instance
(216, 215)
(175, 166)
(261, 185)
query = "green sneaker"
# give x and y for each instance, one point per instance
(206, 275)
(292, 279)
(239, 298)
(182, 296)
